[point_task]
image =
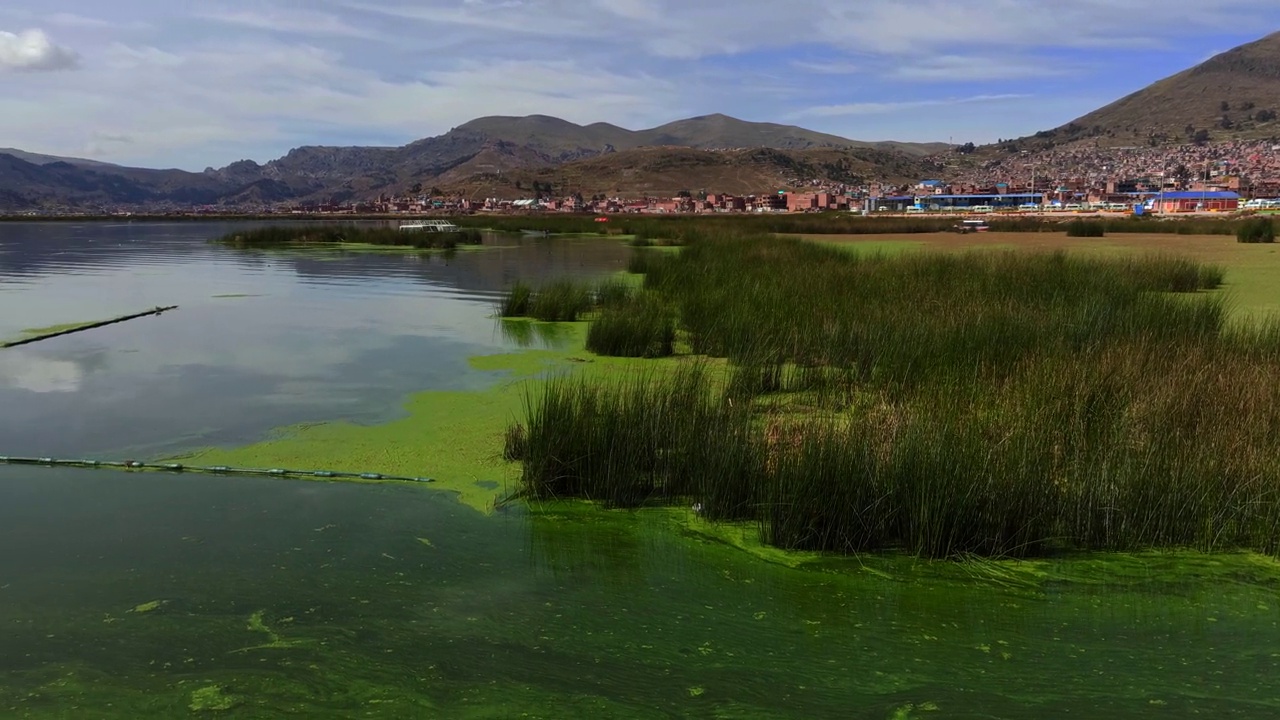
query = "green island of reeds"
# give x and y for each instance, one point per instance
(985, 404)
(284, 236)
(1256, 230)
(625, 322)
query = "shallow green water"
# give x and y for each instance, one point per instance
(127, 595)
(398, 602)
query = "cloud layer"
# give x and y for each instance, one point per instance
(191, 85)
(33, 51)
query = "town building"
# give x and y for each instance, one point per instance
(1195, 200)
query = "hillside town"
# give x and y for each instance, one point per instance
(1206, 177)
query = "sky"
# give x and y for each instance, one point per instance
(179, 83)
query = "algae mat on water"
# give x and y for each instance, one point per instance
(50, 330)
(453, 437)
(282, 599)
(456, 438)
(267, 599)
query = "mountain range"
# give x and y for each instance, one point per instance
(1235, 94)
(491, 155)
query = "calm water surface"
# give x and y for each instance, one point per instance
(126, 595)
(259, 340)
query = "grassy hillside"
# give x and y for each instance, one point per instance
(665, 171)
(1235, 94)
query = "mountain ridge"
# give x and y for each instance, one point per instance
(484, 146)
(1232, 95)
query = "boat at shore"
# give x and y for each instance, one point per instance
(429, 226)
(964, 227)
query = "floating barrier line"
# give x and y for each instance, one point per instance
(212, 469)
(90, 326)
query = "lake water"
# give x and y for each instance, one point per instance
(138, 595)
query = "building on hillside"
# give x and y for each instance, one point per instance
(769, 203)
(1195, 200)
(993, 200)
(801, 202)
(890, 203)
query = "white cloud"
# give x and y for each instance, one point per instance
(550, 18)
(67, 19)
(236, 98)
(33, 51)
(308, 23)
(826, 68)
(878, 108)
(907, 29)
(971, 68)
(679, 29)
(199, 84)
(90, 24)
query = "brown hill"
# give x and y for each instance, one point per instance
(1233, 95)
(503, 148)
(566, 140)
(666, 171)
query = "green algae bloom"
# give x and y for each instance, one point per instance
(50, 330)
(212, 698)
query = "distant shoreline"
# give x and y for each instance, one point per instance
(155, 217)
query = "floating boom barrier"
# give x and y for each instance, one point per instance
(211, 469)
(89, 326)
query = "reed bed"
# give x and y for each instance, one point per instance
(1256, 230)
(641, 327)
(639, 262)
(907, 319)
(564, 300)
(991, 404)
(1086, 228)
(299, 235)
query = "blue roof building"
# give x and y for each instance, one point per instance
(1195, 201)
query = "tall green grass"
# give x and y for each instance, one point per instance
(996, 404)
(564, 300)
(1126, 450)
(1086, 228)
(640, 260)
(1256, 230)
(641, 327)
(517, 302)
(904, 319)
(643, 438)
(286, 235)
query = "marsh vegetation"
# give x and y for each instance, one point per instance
(626, 321)
(1256, 230)
(1086, 228)
(275, 236)
(994, 404)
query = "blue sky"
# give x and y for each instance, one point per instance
(167, 83)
